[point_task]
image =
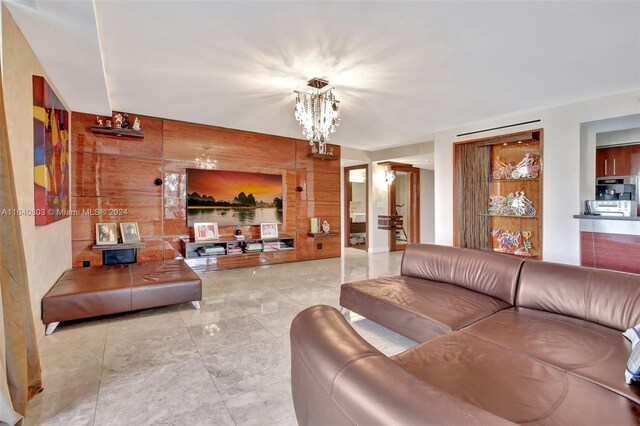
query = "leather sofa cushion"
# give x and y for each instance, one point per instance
(337, 378)
(584, 349)
(163, 283)
(512, 385)
(417, 308)
(484, 272)
(88, 292)
(603, 297)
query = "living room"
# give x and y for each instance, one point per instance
(183, 183)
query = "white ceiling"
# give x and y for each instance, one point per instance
(64, 36)
(402, 70)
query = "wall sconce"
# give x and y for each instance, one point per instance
(389, 176)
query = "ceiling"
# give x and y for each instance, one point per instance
(402, 70)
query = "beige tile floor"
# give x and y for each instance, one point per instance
(226, 364)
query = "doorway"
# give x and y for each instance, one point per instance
(404, 202)
(356, 214)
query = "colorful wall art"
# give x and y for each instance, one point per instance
(232, 198)
(51, 154)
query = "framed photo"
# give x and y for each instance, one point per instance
(106, 234)
(268, 230)
(205, 231)
(130, 232)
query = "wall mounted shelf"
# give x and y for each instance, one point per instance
(112, 131)
(120, 246)
(323, 234)
(323, 156)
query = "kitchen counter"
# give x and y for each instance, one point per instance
(592, 217)
(610, 242)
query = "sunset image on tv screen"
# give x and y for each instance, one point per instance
(233, 198)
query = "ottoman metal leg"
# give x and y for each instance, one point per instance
(51, 327)
(196, 304)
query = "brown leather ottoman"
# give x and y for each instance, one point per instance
(91, 292)
(164, 283)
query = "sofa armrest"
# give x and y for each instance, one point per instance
(338, 378)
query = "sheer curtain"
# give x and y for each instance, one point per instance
(20, 373)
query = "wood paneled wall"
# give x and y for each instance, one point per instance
(113, 174)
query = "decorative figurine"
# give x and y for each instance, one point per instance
(512, 242)
(118, 120)
(99, 120)
(512, 205)
(528, 168)
(525, 246)
(108, 123)
(238, 231)
(325, 227)
(125, 123)
(136, 124)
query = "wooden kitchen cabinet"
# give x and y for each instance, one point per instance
(601, 160)
(618, 161)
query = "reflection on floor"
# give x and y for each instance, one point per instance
(225, 364)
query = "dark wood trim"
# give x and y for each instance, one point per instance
(399, 167)
(347, 197)
(413, 205)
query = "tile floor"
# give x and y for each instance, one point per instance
(223, 365)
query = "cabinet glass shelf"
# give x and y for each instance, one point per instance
(508, 215)
(531, 254)
(510, 180)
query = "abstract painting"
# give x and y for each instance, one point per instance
(233, 198)
(51, 154)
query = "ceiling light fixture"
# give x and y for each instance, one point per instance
(317, 113)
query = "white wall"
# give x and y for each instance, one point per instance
(47, 248)
(627, 136)
(561, 168)
(427, 212)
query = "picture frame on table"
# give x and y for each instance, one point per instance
(268, 230)
(106, 234)
(130, 232)
(206, 231)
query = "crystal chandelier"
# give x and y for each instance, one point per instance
(317, 113)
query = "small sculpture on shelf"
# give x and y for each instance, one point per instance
(512, 205)
(99, 121)
(108, 124)
(136, 124)
(325, 227)
(512, 242)
(118, 120)
(126, 124)
(527, 168)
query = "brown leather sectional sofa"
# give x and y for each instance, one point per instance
(91, 292)
(502, 340)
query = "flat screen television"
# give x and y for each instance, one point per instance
(233, 198)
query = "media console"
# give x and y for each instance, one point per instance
(227, 252)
